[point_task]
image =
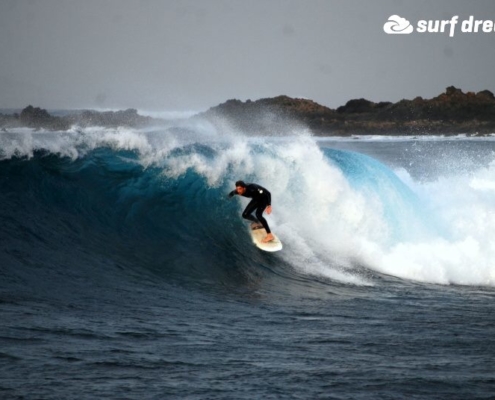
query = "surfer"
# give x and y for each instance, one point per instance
(261, 201)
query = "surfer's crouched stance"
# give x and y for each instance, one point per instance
(261, 201)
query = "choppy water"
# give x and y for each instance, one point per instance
(125, 272)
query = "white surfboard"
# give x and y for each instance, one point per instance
(259, 234)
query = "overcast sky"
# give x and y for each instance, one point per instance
(167, 55)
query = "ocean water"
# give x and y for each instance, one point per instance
(127, 273)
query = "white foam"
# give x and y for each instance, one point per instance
(463, 252)
(328, 226)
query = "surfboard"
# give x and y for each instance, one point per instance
(259, 234)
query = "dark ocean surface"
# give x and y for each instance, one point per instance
(127, 273)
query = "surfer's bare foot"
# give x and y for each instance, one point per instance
(268, 238)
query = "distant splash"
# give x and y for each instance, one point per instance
(338, 212)
(407, 138)
(168, 115)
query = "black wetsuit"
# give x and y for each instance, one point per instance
(261, 198)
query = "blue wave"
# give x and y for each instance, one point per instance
(106, 208)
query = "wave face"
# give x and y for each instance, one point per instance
(155, 200)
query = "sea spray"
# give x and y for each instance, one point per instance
(463, 251)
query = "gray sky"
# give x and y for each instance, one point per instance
(190, 55)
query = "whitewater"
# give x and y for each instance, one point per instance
(127, 272)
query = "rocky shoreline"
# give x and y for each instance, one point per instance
(450, 113)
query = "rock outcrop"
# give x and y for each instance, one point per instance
(38, 118)
(35, 117)
(451, 112)
(110, 119)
